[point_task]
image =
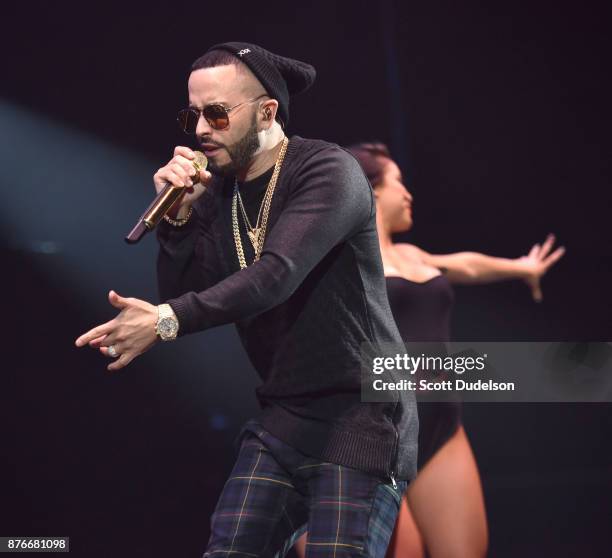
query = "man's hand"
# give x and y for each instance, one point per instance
(538, 262)
(180, 172)
(131, 333)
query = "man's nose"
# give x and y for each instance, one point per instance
(203, 127)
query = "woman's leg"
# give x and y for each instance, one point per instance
(446, 503)
(406, 541)
(300, 546)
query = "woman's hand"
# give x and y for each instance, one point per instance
(131, 333)
(538, 262)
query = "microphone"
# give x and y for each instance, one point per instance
(164, 202)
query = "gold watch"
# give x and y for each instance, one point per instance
(167, 325)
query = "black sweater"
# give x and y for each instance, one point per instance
(304, 309)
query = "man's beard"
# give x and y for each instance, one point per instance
(240, 153)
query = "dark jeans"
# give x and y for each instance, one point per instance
(275, 493)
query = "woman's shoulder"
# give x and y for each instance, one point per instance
(409, 251)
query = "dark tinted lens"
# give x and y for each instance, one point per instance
(188, 120)
(216, 116)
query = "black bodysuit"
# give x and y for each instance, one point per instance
(422, 313)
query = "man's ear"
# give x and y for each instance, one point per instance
(268, 111)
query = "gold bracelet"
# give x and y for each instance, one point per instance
(179, 222)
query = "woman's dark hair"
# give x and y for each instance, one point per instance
(371, 158)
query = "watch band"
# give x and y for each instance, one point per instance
(165, 311)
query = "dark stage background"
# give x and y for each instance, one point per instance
(500, 117)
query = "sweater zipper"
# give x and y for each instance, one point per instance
(393, 472)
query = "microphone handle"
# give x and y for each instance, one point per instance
(162, 203)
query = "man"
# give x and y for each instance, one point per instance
(281, 240)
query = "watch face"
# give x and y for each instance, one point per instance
(167, 327)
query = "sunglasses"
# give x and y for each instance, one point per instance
(216, 115)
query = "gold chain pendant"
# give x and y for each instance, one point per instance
(254, 236)
(257, 234)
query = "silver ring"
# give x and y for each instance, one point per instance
(112, 351)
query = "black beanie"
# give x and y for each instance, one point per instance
(280, 76)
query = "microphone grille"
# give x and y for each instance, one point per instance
(200, 162)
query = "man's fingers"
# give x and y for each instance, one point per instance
(119, 349)
(116, 300)
(95, 343)
(122, 361)
(186, 165)
(110, 339)
(205, 177)
(168, 175)
(183, 172)
(184, 152)
(94, 333)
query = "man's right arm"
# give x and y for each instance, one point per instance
(181, 247)
(176, 272)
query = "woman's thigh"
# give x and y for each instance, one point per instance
(447, 504)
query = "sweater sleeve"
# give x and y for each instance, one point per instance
(331, 200)
(179, 270)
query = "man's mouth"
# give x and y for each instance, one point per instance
(210, 150)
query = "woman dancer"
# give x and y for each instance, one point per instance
(443, 512)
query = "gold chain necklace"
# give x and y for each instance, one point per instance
(252, 231)
(256, 234)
